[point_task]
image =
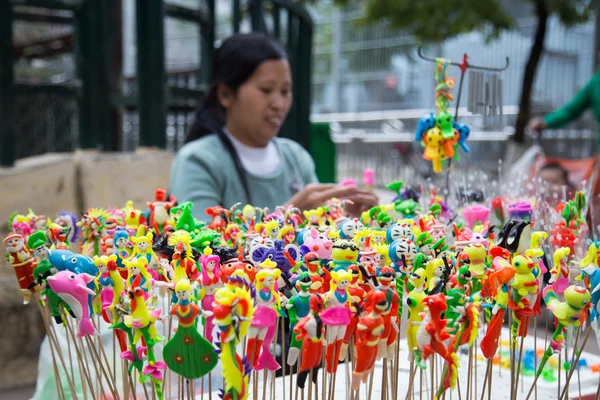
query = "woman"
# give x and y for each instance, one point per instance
(232, 153)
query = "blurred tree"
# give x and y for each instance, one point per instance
(433, 21)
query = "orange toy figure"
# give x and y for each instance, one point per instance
(370, 328)
(19, 255)
(433, 333)
(227, 269)
(437, 148)
(311, 330)
(159, 210)
(358, 294)
(390, 315)
(311, 260)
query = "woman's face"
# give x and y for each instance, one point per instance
(256, 112)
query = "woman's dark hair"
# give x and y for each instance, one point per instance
(233, 63)
(557, 166)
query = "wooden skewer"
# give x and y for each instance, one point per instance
(283, 355)
(53, 337)
(469, 375)
(264, 388)
(535, 348)
(106, 375)
(411, 378)
(585, 339)
(518, 366)
(485, 380)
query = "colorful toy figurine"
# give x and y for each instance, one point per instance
(399, 231)
(390, 315)
(42, 270)
(344, 254)
(560, 272)
(104, 281)
(143, 248)
(370, 328)
(348, 228)
(262, 328)
(210, 283)
(569, 312)
(337, 316)
(358, 295)
(233, 310)
(183, 261)
(72, 288)
(298, 308)
(310, 330)
(159, 210)
(414, 301)
(432, 334)
(19, 256)
(188, 353)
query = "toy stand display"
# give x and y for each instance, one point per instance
(474, 290)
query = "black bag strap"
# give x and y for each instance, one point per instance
(236, 160)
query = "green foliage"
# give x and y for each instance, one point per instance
(431, 21)
(435, 21)
(570, 12)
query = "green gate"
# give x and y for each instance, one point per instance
(99, 99)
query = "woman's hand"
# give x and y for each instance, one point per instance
(316, 195)
(537, 125)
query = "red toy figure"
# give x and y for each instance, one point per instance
(431, 336)
(159, 210)
(18, 254)
(245, 266)
(358, 295)
(390, 316)
(311, 260)
(58, 236)
(218, 223)
(311, 329)
(370, 327)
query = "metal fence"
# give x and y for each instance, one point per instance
(62, 83)
(364, 68)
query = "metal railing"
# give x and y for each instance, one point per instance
(98, 107)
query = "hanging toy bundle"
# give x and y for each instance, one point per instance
(439, 132)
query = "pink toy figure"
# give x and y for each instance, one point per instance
(467, 237)
(337, 316)
(560, 273)
(210, 282)
(72, 288)
(318, 243)
(262, 328)
(104, 281)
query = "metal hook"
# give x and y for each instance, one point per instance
(469, 66)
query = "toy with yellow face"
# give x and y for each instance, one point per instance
(343, 254)
(360, 238)
(568, 312)
(524, 282)
(477, 254)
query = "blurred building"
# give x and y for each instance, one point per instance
(372, 68)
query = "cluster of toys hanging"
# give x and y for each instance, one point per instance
(341, 283)
(439, 132)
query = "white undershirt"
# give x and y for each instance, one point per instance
(261, 161)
